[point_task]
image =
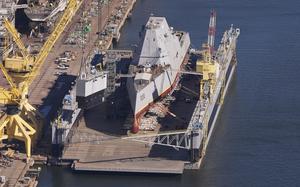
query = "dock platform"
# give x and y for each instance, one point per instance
(97, 145)
(103, 144)
(108, 153)
(134, 166)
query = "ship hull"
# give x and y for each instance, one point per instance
(162, 85)
(143, 110)
(91, 101)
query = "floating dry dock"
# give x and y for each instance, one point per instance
(98, 143)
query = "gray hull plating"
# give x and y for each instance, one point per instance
(161, 57)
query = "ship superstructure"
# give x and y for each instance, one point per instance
(91, 85)
(155, 75)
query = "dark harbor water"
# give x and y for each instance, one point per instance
(257, 138)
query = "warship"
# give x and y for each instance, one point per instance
(157, 72)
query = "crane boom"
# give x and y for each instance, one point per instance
(71, 8)
(13, 86)
(6, 97)
(16, 37)
(16, 63)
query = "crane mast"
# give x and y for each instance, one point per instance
(212, 32)
(208, 65)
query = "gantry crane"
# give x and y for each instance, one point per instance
(21, 120)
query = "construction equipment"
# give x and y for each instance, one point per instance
(20, 119)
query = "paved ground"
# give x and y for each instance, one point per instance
(43, 83)
(13, 173)
(16, 171)
(47, 87)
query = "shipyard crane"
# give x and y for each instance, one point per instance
(21, 120)
(20, 64)
(208, 66)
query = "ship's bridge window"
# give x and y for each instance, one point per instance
(142, 78)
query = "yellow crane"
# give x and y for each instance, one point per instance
(207, 65)
(21, 120)
(5, 43)
(20, 64)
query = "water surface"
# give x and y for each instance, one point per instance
(257, 138)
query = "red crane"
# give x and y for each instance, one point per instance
(212, 32)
